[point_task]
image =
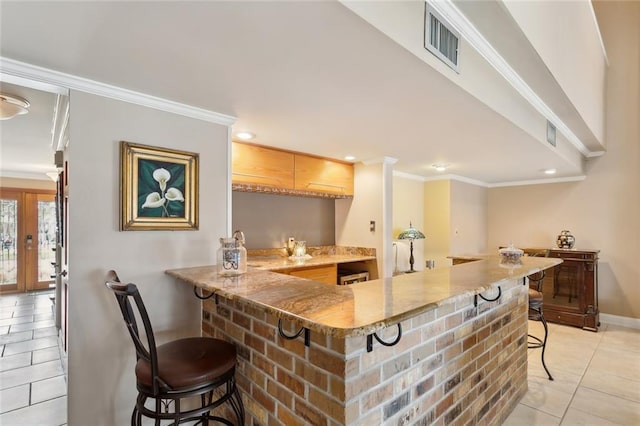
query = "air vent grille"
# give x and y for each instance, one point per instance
(440, 38)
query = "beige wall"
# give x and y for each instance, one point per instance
(602, 211)
(468, 223)
(101, 385)
(408, 206)
(455, 219)
(353, 215)
(437, 221)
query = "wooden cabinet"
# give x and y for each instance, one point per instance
(257, 168)
(571, 289)
(322, 175)
(325, 274)
(256, 165)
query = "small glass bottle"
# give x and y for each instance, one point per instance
(231, 257)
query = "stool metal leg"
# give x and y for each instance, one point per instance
(541, 343)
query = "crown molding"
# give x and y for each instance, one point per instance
(45, 77)
(538, 181)
(456, 18)
(380, 160)
(27, 175)
(440, 177)
(409, 176)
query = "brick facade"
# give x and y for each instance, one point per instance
(455, 364)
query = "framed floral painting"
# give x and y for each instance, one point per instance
(158, 187)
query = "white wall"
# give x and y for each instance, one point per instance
(573, 53)
(101, 385)
(408, 207)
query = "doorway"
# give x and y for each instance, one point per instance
(28, 230)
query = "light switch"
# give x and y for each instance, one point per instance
(372, 226)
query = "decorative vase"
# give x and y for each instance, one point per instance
(231, 257)
(565, 240)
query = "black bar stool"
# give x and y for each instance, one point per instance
(535, 313)
(192, 367)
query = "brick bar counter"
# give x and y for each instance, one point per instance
(422, 348)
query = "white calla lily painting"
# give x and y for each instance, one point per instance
(159, 188)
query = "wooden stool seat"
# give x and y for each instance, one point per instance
(187, 363)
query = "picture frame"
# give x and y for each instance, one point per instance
(158, 188)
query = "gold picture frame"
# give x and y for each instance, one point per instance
(158, 188)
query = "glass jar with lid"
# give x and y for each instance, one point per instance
(231, 257)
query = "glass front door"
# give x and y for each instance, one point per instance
(8, 240)
(28, 237)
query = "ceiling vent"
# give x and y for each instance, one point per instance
(440, 38)
(551, 133)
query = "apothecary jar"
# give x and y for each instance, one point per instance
(231, 257)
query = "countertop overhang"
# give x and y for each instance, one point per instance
(361, 308)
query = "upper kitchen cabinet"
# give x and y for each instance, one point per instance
(256, 168)
(323, 175)
(260, 166)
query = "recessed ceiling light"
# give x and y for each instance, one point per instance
(439, 167)
(550, 171)
(349, 157)
(245, 136)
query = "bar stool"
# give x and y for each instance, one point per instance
(535, 313)
(191, 367)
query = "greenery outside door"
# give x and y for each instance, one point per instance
(27, 238)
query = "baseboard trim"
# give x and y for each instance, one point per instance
(619, 320)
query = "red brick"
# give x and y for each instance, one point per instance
(280, 393)
(263, 364)
(327, 361)
(310, 414)
(327, 405)
(312, 375)
(280, 357)
(265, 331)
(254, 343)
(290, 382)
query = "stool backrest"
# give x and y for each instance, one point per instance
(145, 350)
(536, 279)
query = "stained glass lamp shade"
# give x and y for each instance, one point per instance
(411, 234)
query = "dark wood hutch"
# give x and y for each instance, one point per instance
(570, 289)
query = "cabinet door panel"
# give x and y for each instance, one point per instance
(251, 164)
(322, 175)
(324, 274)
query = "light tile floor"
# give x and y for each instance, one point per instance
(597, 378)
(33, 388)
(597, 375)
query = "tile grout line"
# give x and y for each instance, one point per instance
(573, 394)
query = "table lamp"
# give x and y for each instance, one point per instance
(411, 234)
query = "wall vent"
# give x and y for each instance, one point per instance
(440, 38)
(551, 133)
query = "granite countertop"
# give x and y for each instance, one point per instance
(361, 308)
